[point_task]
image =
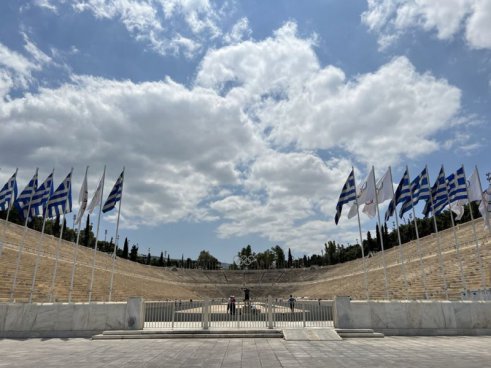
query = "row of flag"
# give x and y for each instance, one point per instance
(34, 199)
(452, 191)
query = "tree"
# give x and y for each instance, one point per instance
(331, 253)
(161, 259)
(290, 259)
(265, 259)
(125, 249)
(149, 257)
(56, 227)
(378, 238)
(387, 242)
(207, 261)
(371, 244)
(279, 256)
(134, 253)
(87, 232)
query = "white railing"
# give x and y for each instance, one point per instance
(254, 314)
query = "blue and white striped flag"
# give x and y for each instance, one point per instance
(348, 194)
(420, 190)
(439, 194)
(115, 194)
(401, 195)
(457, 186)
(22, 201)
(61, 200)
(8, 193)
(40, 197)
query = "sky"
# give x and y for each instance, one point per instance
(238, 122)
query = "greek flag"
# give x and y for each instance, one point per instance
(457, 186)
(115, 194)
(401, 195)
(8, 193)
(348, 194)
(420, 190)
(22, 201)
(439, 195)
(40, 197)
(61, 200)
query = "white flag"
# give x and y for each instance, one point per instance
(367, 190)
(82, 200)
(458, 208)
(384, 193)
(352, 211)
(96, 199)
(384, 188)
(474, 187)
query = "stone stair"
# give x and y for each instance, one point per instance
(360, 332)
(188, 334)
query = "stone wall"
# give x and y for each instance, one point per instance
(414, 317)
(69, 319)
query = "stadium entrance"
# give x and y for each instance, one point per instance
(222, 313)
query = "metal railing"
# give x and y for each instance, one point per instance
(254, 314)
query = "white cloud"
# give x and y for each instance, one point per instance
(155, 21)
(46, 4)
(239, 31)
(16, 69)
(294, 101)
(389, 18)
(242, 145)
(177, 144)
(478, 30)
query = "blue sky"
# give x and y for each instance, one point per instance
(238, 121)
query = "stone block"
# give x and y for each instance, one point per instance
(97, 316)
(80, 318)
(3, 315)
(480, 315)
(46, 316)
(135, 314)
(115, 316)
(64, 319)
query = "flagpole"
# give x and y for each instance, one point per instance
(116, 241)
(40, 244)
(401, 253)
(486, 214)
(55, 269)
(53, 279)
(478, 251)
(381, 235)
(72, 277)
(11, 203)
(457, 246)
(22, 240)
(440, 255)
(97, 235)
(418, 243)
(361, 239)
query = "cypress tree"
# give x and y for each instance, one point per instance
(134, 253)
(87, 232)
(125, 249)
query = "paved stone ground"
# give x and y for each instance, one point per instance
(234, 353)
